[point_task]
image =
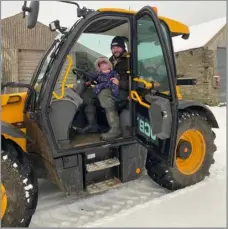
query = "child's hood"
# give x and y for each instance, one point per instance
(102, 59)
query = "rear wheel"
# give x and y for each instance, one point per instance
(193, 156)
(19, 189)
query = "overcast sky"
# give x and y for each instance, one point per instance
(188, 12)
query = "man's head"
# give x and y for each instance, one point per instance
(118, 46)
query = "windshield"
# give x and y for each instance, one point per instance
(46, 63)
(44, 67)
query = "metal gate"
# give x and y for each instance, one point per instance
(221, 69)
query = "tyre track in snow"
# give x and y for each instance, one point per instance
(69, 212)
(55, 210)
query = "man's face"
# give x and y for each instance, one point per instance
(116, 51)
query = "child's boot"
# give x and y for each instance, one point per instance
(114, 123)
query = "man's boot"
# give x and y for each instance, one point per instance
(92, 126)
(114, 123)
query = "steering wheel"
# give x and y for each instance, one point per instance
(83, 74)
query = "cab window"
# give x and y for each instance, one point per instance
(93, 43)
(151, 65)
(41, 77)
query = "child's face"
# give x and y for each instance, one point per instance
(104, 67)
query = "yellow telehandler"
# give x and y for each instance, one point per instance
(168, 137)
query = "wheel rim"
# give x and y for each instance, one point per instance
(191, 164)
(4, 200)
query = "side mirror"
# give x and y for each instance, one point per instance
(33, 11)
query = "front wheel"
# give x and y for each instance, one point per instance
(193, 155)
(19, 189)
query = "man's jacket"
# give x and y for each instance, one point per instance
(121, 67)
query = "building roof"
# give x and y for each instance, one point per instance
(15, 34)
(200, 35)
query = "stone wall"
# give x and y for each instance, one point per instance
(9, 68)
(220, 36)
(200, 64)
(15, 34)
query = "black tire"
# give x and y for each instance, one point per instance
(21, 186)
(172, 178)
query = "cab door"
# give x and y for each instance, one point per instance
(153, 93)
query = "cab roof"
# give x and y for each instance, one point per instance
(177, 28)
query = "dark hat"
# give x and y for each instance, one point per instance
(118, 41)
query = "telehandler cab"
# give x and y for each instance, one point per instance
(170, 138)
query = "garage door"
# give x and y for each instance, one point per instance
(27, 62)
(221, 69)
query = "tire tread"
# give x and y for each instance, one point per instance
(167, 177)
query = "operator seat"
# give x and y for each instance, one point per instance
(62, 114)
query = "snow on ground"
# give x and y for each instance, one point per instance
(142, 202)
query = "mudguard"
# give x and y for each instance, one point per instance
(12, 131)
(186, 104)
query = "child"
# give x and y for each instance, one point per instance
(103, 77)
(104, 74)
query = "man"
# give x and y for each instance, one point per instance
(120, 64)
(107, 101)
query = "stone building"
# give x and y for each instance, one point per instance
(203, 56)
(22, 48)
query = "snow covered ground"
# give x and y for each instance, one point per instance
(142, 202)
